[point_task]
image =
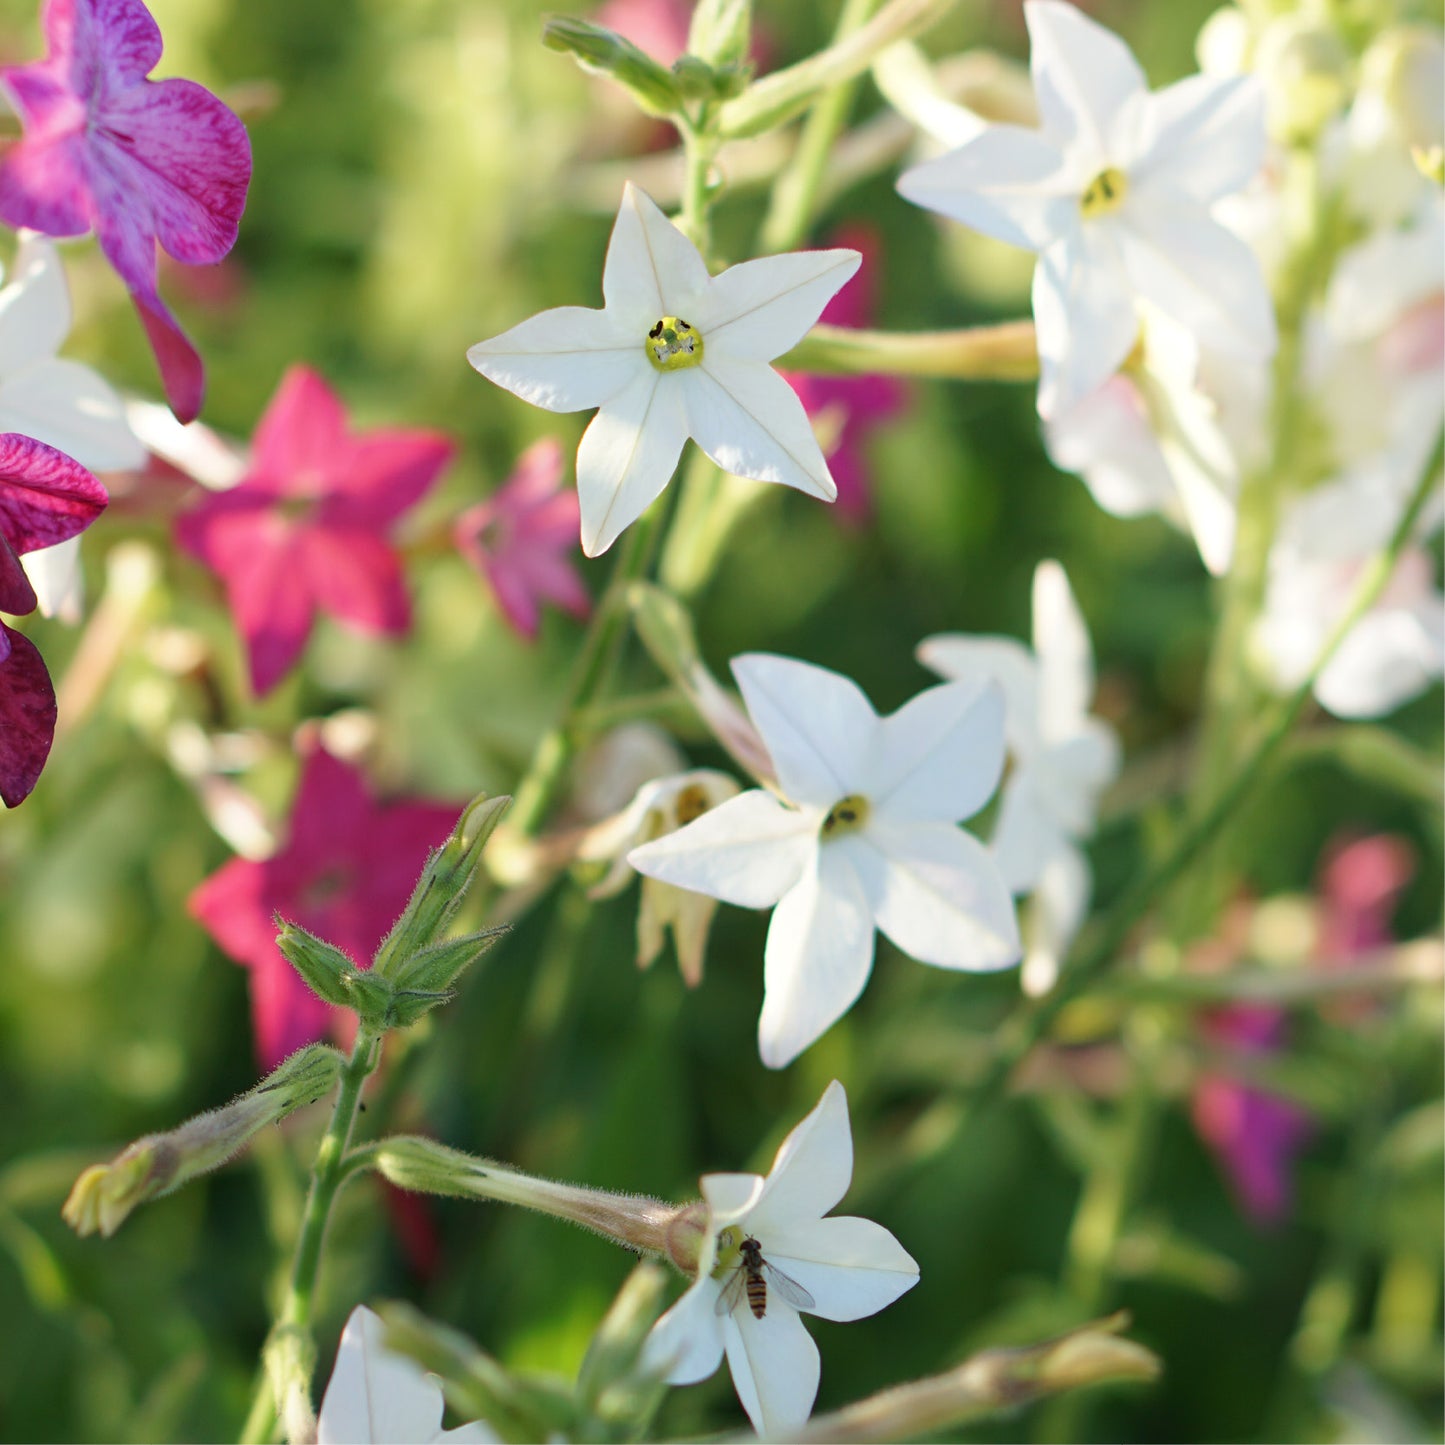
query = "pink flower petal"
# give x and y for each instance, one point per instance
(355, 577)
(16, 593)
(27, 718)
(296, 441)
(45, 496)
(385, 473)
(183, 375)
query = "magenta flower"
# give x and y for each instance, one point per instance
(136, 161)
(307, 529)
(45, 497)
(848, 409)
(521, 538)
(345, 872)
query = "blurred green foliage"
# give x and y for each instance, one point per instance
(421, 182)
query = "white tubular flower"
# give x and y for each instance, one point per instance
(674, 353)
(1114, 193)
(1063, 757)
(376, 1397)
(768, 1253)
(863, 837)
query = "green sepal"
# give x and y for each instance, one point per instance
(323, 967)
(604, 52)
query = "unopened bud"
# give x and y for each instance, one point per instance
(439, 891)
(323, 967)
(1406, 66)
(604, 52)
(721, 31)
(612, 1382)
(436, 969)
(1305, 68)
(105, 1194)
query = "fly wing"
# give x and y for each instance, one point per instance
(731, 1292)
(788, 1288)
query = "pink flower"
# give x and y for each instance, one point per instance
(521, 537)
(345, 873)
(45, 498)
(851, 408)
(1360, 883)
(307, 528)
(134, 160)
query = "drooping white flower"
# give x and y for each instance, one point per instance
(838, 1268)
(56, 401)
(377, 1397)
(863, 837)
(674, 353)
(1063, 757)
(1114, 193)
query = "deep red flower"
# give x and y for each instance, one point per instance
(307, 529)
(345, 873)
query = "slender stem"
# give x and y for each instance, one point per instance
(796, 192)
(699, 149)
(326, 1176)
(1006, 352)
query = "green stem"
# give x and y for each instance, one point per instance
(1007, 352)
(795, 194)
(326, 1177)
(1031, 1024)
(700, 150)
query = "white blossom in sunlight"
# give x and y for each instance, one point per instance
(863, 837)
(377, 1397)
(56, 401)
(1114, 192)
(1063, 758)
(674, 353)
(771, 1251)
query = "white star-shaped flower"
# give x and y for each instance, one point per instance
(674, 353)
(863, 837)
(377, 1397)
(1114, 193)
(1063, 757)
(768, 1253)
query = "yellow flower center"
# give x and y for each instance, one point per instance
(674, 344)
(1104, 194)
(847, 815)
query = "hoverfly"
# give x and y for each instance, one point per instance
(754, 1274)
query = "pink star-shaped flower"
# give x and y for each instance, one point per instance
(851, 407)
(136, 161)
(345, 873)
(521, 537)
(45, 497)
(307, 529)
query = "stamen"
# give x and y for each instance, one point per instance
(673, 344)
(847, 815)
(1104, 194)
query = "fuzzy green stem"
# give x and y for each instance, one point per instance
(695, 218)
(1007, 352)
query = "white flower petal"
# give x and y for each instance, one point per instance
(747, 851)
(1066, 660)
(627, 456)
(570, 358)
(1055, 912)
(1083, 74)
(775, 1367)
(1388, 657)
(818, 956)
(1008, 183)
(940, 756)
(818, 725)
(1195, 271)
(938, 895)
(811, 1173)
(1003, 660)
(1208, 136)
(55, 575)
(652, 269)
(1080, 767)
(34, 307)
(760, 309)
(687, 1342)
(1028, 834)
(376, 1397)
(852, 1267)
(752, 424)
(730, 1196)
(67, 405)
(1084, 315)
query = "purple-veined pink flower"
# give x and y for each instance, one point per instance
(521, 539)
(308, 527)
(345, 873)
(46, 497)
(134, 160)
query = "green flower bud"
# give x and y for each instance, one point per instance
(721, 31)
(611, 1384)
(105, 1194)
(604, 52)
(323, 967)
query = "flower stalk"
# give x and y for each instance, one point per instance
(1007, 352)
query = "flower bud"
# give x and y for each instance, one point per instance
(434, 970)
(721, 31)
(105, 1194)
(612, 1383)
(1305, 68)
(1406, 67)
(604, 52)
(439, 891)
(323, 967)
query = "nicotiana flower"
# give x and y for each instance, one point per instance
(661, 806)
(308, 528)
(345, 873)
(520, 539)
(57, 401)
(46, 498)
(863, 837)
(769, 1253)
(1062, 758)
(674, 353)
(136, 161)
(1114, 192)
(377, 1397)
